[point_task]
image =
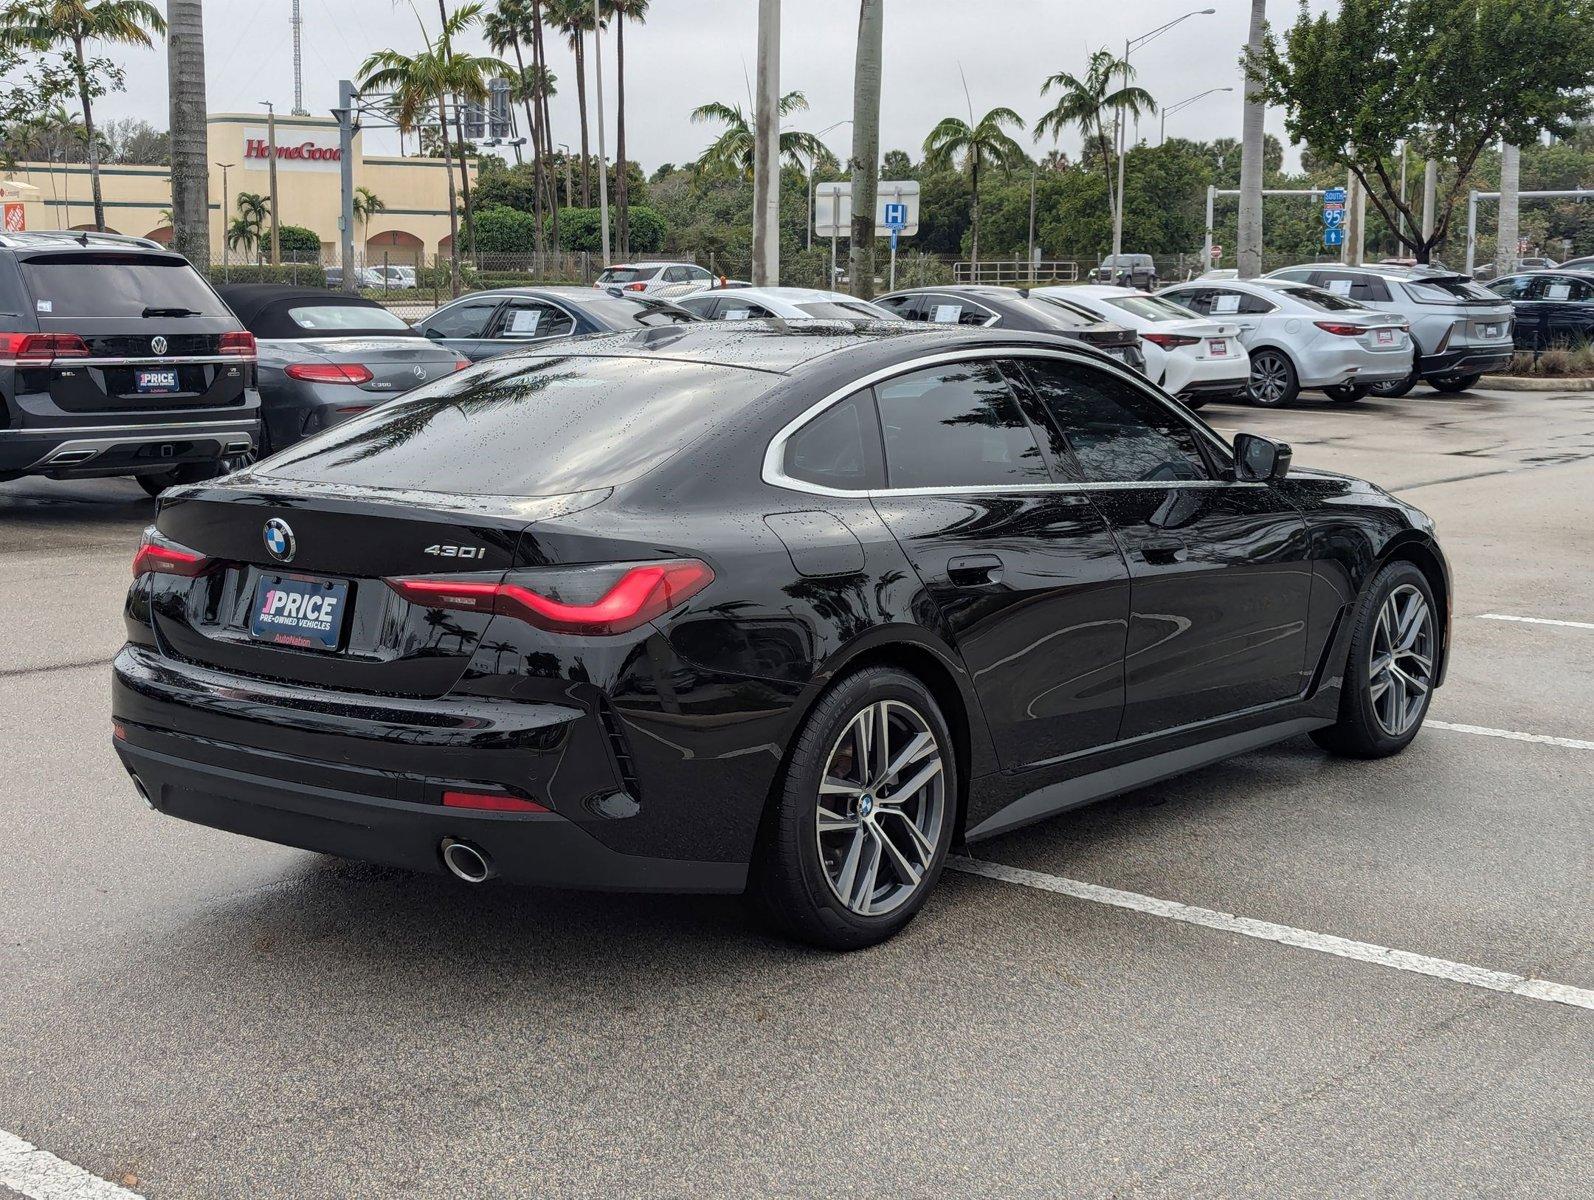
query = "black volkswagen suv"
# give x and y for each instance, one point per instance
(117, 358)
(781, 606)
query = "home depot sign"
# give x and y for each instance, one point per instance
(294, 151)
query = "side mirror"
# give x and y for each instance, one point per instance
(1258, 459)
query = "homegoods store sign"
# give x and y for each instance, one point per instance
(295, 152)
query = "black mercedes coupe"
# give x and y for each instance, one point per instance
(792, 608)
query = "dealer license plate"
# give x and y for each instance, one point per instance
(162, 380)
(299, 610)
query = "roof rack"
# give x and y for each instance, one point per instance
(75, 237)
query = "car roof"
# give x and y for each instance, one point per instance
(1092, 291)
(793, 295)
(631, 266)
(1384, 270)
(994, 291)
(781, 346)
(74, 239)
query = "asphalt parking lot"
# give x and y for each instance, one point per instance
(189, 1014)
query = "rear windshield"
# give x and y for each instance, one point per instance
(116, 285)
(1457, 288)
(528, 426)
(840, 311)
(628, 274)
(1317, 298)
(329, 319)
(627, 312)
(1055, 312)
(1150, 308)
(1069, 307)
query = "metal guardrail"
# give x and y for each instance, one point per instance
(1013, 272)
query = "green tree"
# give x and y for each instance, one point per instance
(573, 18)
(73, 24)
(1088, 102)
(987, 140)
(299, 245)
(367, 204)
(623, 11)
(505, 29)
(584, 229)
(1449, 77)
(734, 152)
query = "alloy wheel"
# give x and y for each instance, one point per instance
(880, 809)
(1270, 378)
(1400, 660)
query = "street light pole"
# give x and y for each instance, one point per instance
(1180, 106)
(603, 162)
(271, 165)
(226, 204)
(1131, 44)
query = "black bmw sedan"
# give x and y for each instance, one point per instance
(988, 306)
(790, 608)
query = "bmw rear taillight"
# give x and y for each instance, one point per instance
(328, 372)
(1170, 341)
(1339, 330)
(237, 345)
(159, 555)
(596, 601)
(36, 349)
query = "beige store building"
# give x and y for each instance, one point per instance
(414, 190)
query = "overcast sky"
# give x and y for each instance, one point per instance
(691, 51)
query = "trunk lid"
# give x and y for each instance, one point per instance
(397, 364)
(343, 543)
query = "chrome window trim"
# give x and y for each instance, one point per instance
(774, 473)
(991, 315)
(170, 360)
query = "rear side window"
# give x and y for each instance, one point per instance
(1357, 287)
(1118, 433)
(116, 285)
(840, 448)
(543, 426)
(532, 319)
(467, 319)
(956, 426)
(340, 318)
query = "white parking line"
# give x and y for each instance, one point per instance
(1536, 620)
(1305, 939)
(40, 1175)
(1543, 739)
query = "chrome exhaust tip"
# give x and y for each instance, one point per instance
(465, 861)
(143, 793)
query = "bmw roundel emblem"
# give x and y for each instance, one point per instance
(157, 344)
(280, 540)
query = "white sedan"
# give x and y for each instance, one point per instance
(1194, 357)
(1303, 337)
(786, 303)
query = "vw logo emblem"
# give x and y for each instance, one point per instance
(157, 344)
(280, 540)
(420, 372)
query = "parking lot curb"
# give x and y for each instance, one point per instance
(1528, 383)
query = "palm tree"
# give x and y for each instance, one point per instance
(865, 159)
(190, 131)
(623, 10)
(1088, 102)
(504, 29)
(987, 139)
(421, 83)
(41, 25)
(248, 228)
(367, 204)
(573, 18)
(735, 151)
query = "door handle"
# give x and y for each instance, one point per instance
(1165, 550)
(974, 570)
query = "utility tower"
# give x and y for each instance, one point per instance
(297, 22)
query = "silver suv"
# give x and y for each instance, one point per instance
(1461, 329)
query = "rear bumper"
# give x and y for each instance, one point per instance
(68, 450)
(363, 777)
(1468, 360)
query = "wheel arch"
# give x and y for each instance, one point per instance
(1424, 554)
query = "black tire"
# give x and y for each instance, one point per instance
(1348, 393)
(1451, 384)
(1273, 383)
(1396, 388)
(790, 883)
(1362, 730)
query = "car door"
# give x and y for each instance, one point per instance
(463, 325)
(1220, 570)
(1566, 308)
(1025, 577)
(525, 320)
